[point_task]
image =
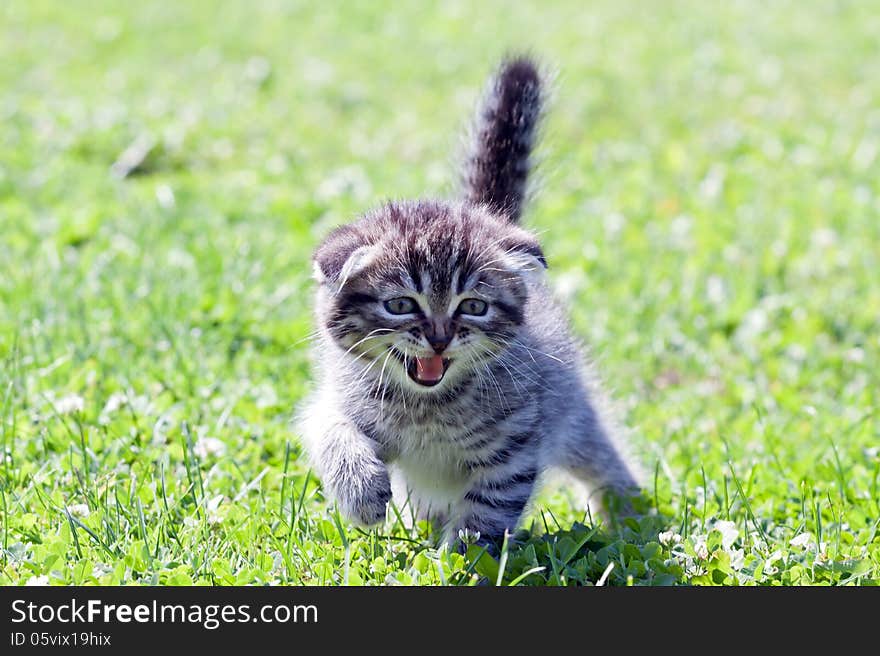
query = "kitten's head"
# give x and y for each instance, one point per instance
(424, 293)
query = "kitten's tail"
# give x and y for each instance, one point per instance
(498, 165)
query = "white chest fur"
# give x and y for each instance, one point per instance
(427, 477)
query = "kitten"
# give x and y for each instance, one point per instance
(444, 367)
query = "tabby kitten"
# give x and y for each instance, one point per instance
(445, 370)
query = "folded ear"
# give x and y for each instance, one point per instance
(342, 255)
(523, 252)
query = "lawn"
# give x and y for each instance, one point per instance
(708, 202)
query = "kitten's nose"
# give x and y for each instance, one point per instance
(439, 342)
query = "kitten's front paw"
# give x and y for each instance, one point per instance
(364, 502)
(353, 474)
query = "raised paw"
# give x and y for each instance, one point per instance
(352, 473)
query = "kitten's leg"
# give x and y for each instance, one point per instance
(347, 462)
(589, 452)
(494, 504)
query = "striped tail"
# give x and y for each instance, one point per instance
(497, 167)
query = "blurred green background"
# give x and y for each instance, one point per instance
(708, 202)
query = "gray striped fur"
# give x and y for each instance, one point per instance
(518, 397)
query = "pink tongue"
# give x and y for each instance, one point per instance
(429, 369)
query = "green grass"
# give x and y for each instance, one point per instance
(709, 205)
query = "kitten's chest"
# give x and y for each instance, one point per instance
(449, 434)
(432, 435)
(428, 455)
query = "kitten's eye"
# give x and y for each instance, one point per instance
(402, 305)
(473, 306)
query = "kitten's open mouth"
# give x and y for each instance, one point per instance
(428, 371)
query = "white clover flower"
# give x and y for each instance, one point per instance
(114, 402)
(803, 540)
(209, 446)
(69, 404)
(668, 538)
(729, 533)
(468, 536)
(41, 580)
(78, 510)
(737, 559)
